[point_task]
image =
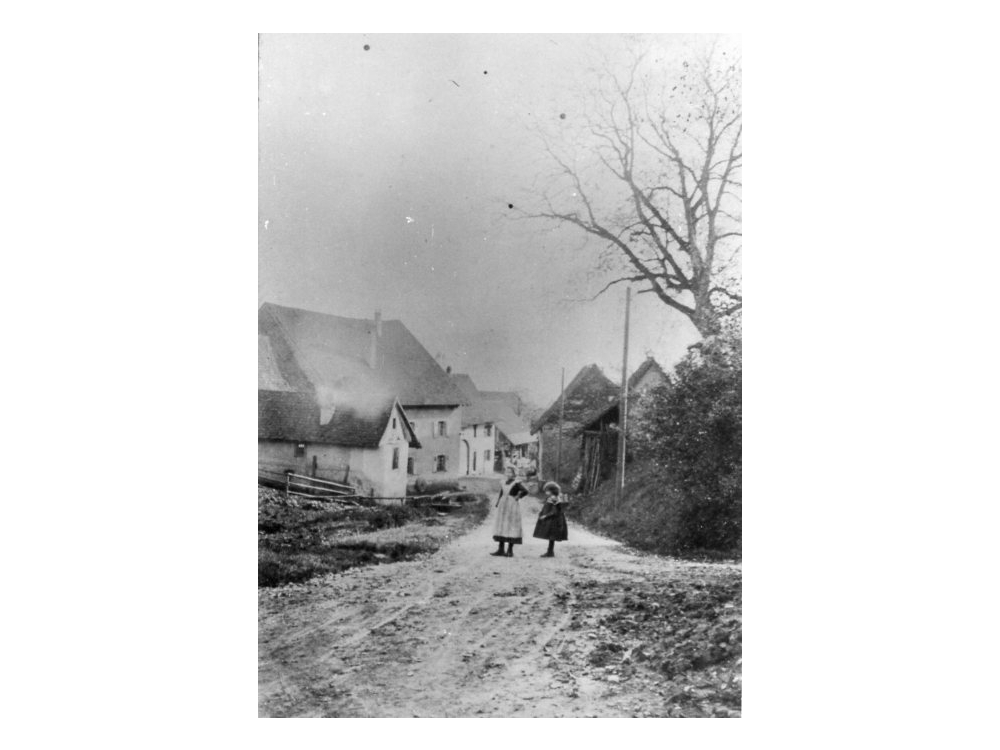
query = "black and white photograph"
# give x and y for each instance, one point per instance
(499, 272)
(499, 375)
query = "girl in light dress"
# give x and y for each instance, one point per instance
(507, 523)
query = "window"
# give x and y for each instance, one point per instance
(486, 455)
(395, 456)
(474, 430)
(409, 465)
(489, 430)
(442, 430)
(474, 456)
(300, 450)
(394, 423)
(440, 463)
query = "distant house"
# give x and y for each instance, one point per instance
(647, 375)
(359, 365)
(488, 424)
(588, 394)
(515, 442)
(368, 449)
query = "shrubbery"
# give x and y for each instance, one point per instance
(683, 494)
(693, 428)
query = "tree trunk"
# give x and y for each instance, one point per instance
(705, 317)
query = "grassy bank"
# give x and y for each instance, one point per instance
(651, 516)
(300, 539)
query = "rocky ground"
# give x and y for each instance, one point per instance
(596, 631)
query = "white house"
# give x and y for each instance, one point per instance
(356, 363)
(488, 424)
(366, 449)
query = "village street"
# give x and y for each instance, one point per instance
(461, 633)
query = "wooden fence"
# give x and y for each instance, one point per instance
(322, 489)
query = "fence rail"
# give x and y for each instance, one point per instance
(441, 500)
(288, 479)
(335, 485)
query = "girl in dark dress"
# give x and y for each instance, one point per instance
(551, 523)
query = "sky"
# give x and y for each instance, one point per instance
(386, 177)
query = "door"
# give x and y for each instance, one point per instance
(464, 458)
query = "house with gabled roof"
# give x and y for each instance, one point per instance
(492, 433)
(367, 448)
(588, 394)
(599, 445)
(647, 376)
(359, 364)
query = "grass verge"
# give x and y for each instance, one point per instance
(650, 516)
(298, 540)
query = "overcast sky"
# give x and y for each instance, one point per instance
(385, 179)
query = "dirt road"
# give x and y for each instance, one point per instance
(461, 633)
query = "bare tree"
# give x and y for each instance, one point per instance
(652, 167)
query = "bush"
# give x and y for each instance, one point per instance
(693, 426)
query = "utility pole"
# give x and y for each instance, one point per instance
(562, 403)
(623, 408)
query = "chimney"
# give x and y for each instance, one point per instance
(376, 334)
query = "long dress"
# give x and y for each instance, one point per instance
(551, 522)
(507, 524)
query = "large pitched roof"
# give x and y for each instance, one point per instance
(269, 376)
(286, 415)
(289, 415)
(464, 383)
(588, 393)
(333, 355)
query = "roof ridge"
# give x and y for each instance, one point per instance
(325, 314)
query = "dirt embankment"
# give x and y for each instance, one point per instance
(596, 631)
